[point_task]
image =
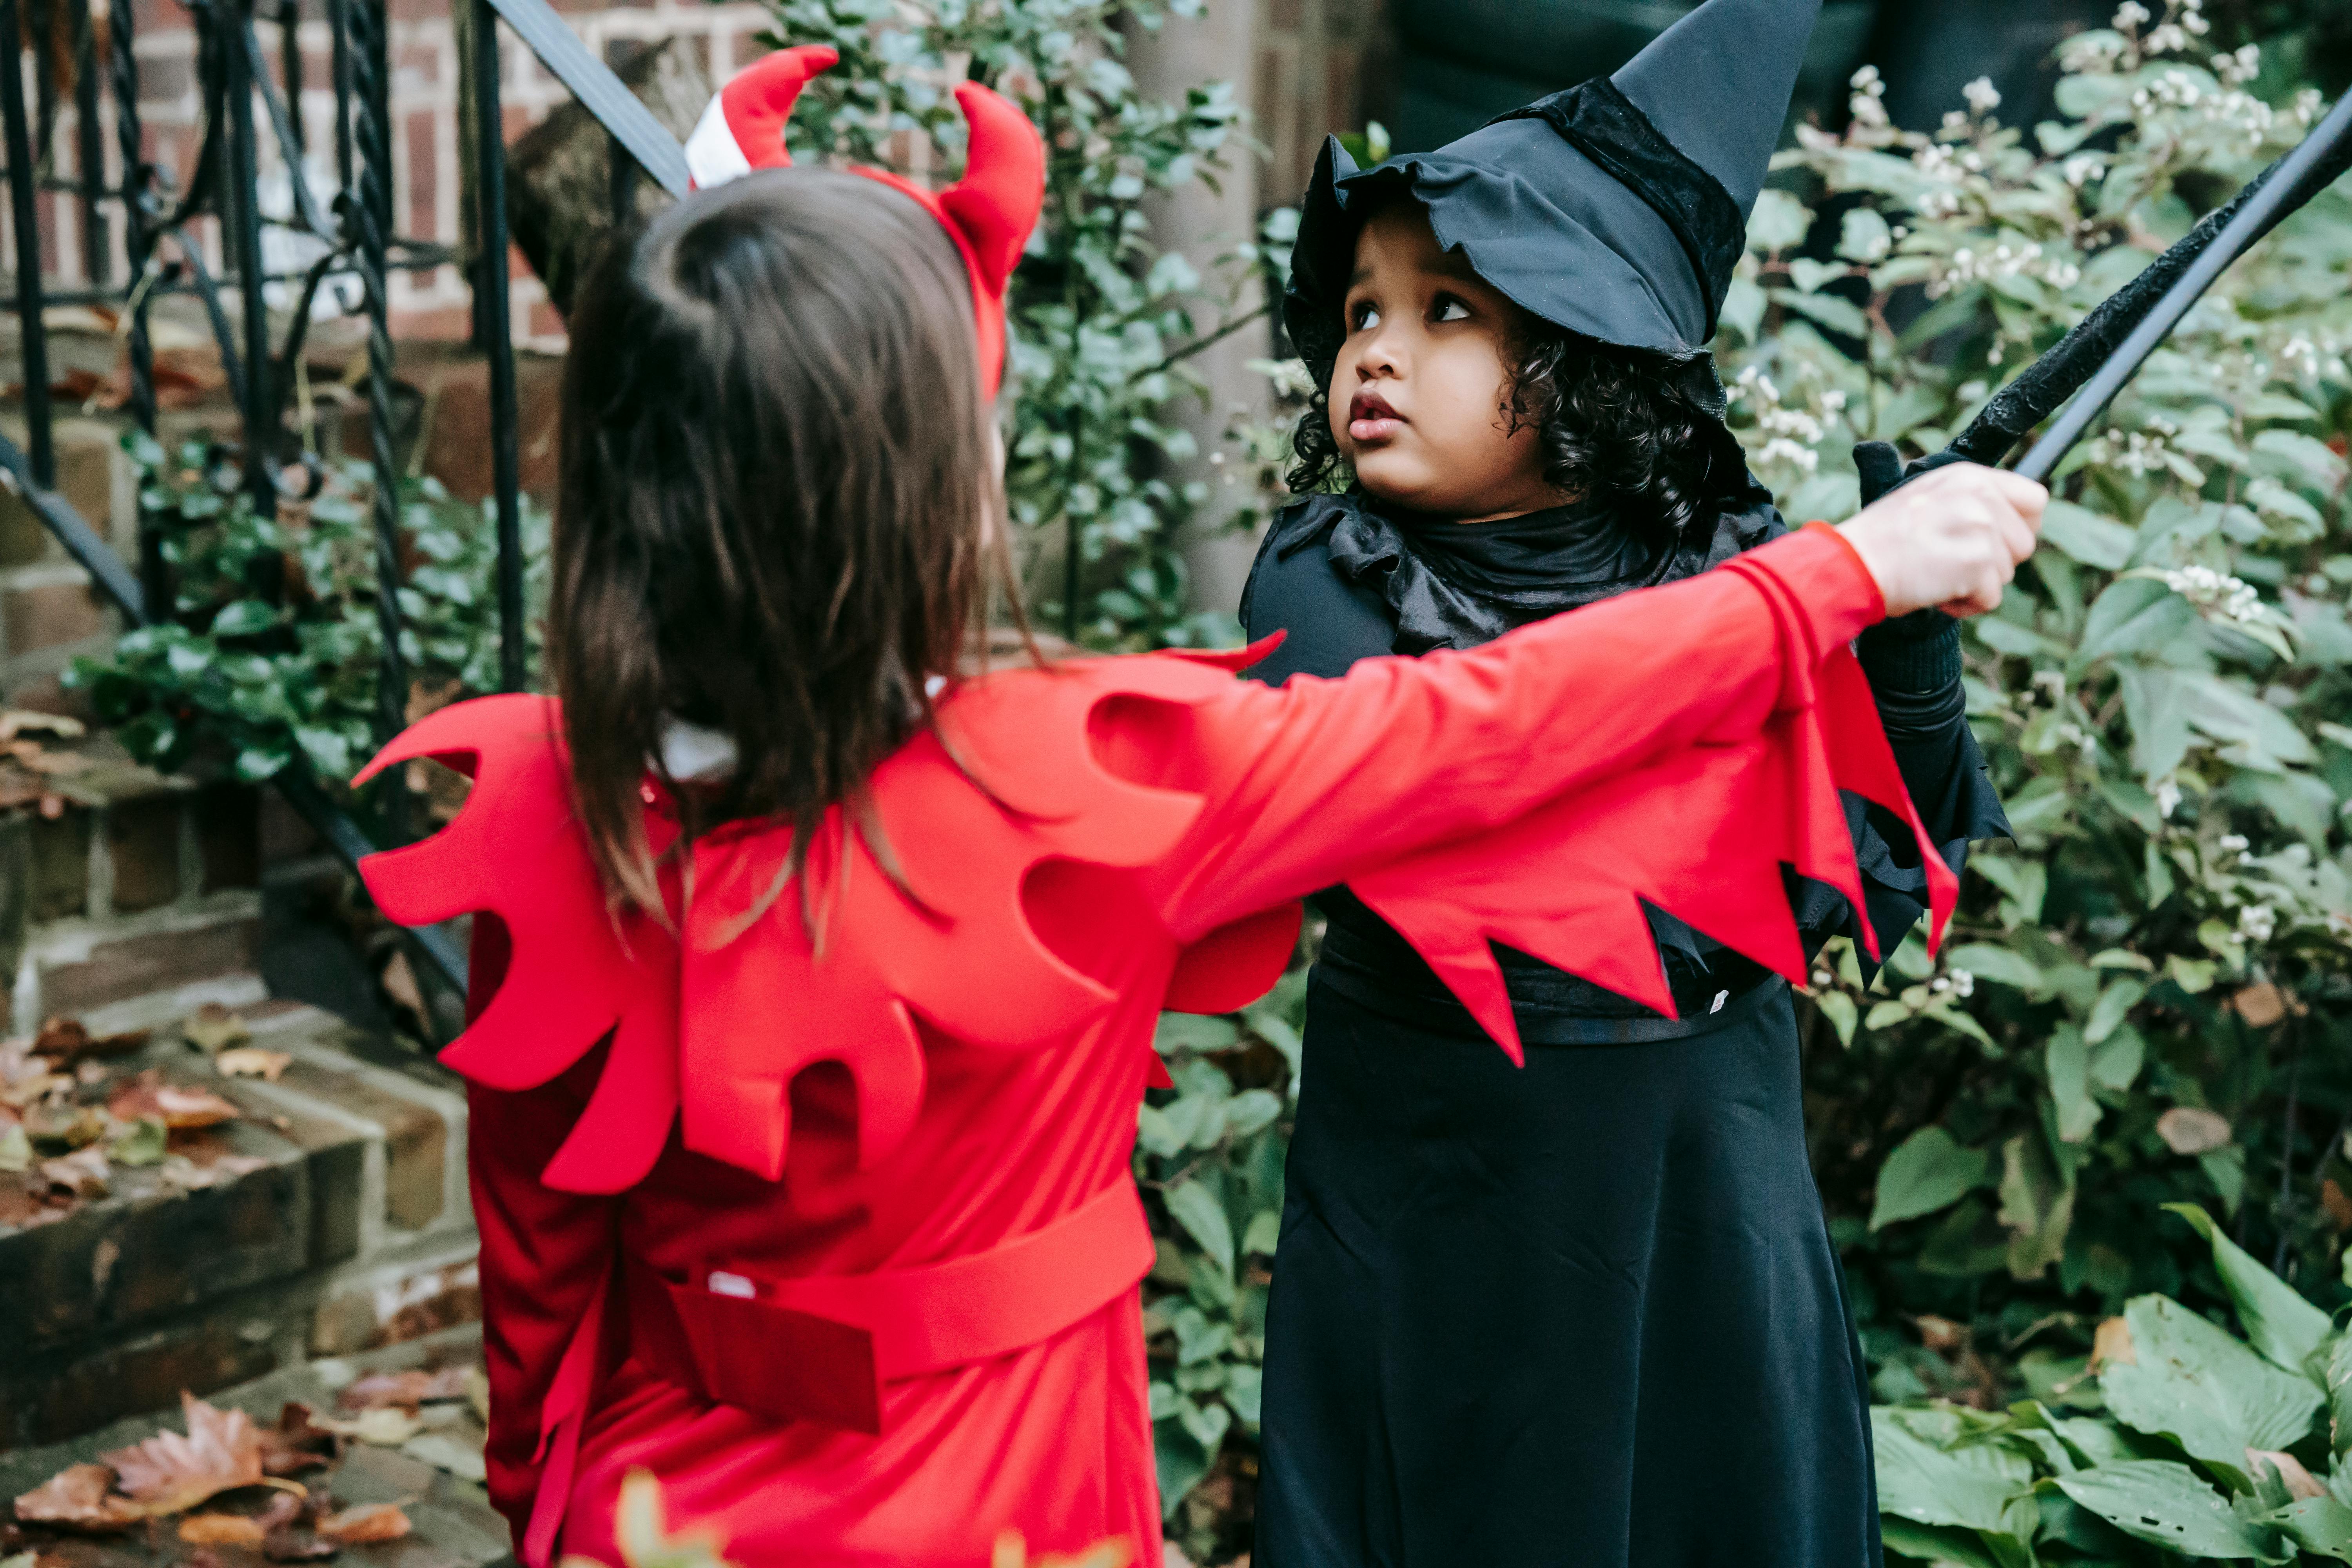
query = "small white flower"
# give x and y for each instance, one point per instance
(2257, 922)
(1982, 96)
(1822, 979)
(1964, 984)
(2233, 844)
(1939, 985)
(2168, 797)
(2082, 168)
(2130, 15)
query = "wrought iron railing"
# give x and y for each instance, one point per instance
(246, 108)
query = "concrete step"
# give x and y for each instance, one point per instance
(331, 1217)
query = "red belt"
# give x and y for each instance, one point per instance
(820, 1347)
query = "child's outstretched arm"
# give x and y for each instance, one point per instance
(1312, 782)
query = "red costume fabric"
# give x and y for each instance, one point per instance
(837, 1236)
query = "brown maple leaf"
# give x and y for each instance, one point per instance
(80, 1497)
(221, 1450)
(368, 1522)
(66, 1039)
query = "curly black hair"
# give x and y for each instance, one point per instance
(1614, 423)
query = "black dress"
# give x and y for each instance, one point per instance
(1584, 1313)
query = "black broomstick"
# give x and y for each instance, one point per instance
(2108, 346)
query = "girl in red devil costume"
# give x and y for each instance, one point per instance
(816, 983)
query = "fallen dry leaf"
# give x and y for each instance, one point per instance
(405, 1389)
(66, 1040)
(368, 1522)
(288, 1545)
(80, 1497)
(2113, 1345)
(2186, 1130)
(297, 1443)
(179, 1106)
(187, 1175)
(16, 722)
(1940, 1334)
(213, 1028)
(221, 1530)
(71, 1125)
(252, 1062)
(81, 1174)
(170, 1471)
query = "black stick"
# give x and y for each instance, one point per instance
(2262, 209)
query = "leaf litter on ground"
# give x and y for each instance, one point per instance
(79, 1498)
(170, 1471)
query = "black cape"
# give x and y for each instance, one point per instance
(1586, 1313)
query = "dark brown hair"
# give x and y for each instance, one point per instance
(776, 470)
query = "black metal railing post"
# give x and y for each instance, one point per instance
(492, 305)
(89, 150)
(241, 236)
(23, 210)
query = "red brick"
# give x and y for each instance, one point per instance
(152, 960)
(422, 177)
(50, 614)
(142, 837)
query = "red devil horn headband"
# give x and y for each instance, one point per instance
(988, 213)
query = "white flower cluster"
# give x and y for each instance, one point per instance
(1982, 96)
(2082, 168)
(2166, 790)
(2239, 66)
(2139, 453)
(2257, 922)
(1959, 983)
(2306, 105)
(2216, 591)
(2235, 843)
(1867, 104)
(2093, 54)
(1970, 266)
(1791, 433)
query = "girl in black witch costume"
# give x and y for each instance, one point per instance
(1588, 1312)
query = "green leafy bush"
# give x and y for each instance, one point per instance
(2144, 999)
(2191, 1443)
(274, 646)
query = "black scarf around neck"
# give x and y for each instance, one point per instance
(1458, 585)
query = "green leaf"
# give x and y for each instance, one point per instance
(1196, 1208)
(2067, 1061)
(1778, 222)
(144, 1144)
(2339, 1393)
(2165, 1504)
(2116, 1060)
(2132, 616)
(2003, 964)
(2115, 1005)
(256, 763)
(1938, 1544)
(1181, 1461)
(1927, 1170)
(2037, 1204)
(1970, 1486)
(2318, 1524)
(2087, 537)
(1265, 1230)
(1839, 1009)
(2197, 1385)
(1194, 1032)
(244, 618)
(2278, 1322)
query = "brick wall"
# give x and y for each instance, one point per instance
(426, 187)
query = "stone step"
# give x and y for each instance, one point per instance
(454, 1524)
(337, 1219)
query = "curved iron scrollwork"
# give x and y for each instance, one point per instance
(293, 250)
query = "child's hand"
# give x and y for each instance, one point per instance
(1949, 539)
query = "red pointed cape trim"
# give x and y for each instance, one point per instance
(713, 1030)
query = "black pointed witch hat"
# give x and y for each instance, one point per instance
(1616, 209)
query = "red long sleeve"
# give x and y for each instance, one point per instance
(1314, 780)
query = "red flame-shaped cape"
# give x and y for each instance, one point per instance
(709, 1028)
